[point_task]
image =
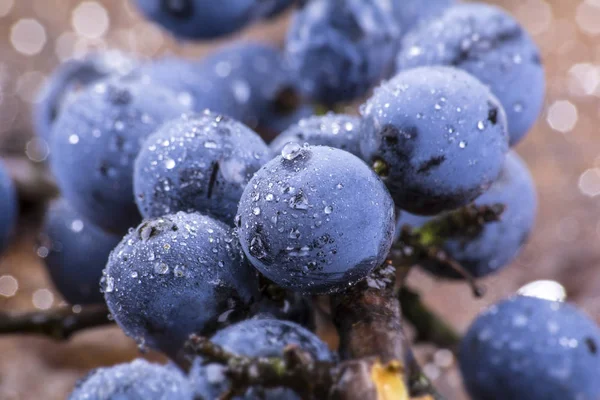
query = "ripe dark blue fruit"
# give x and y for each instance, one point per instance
(77, 253)
(491, 45)
(193, 84)
(176, 275)
(137, 380)
(333, 130)
(72, 76)
(94, 144)
(534, 349)
(198, 162)
(437, 136)
(266, 91)
(287, 306)
(411, 13)
(8, 207)
(498, 243)
(341, 48)
(294, 225)
(255, 338)
(207, 19)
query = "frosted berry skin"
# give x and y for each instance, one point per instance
(530, 348)
(491, 45)
(137, 380)
(437, 136)
(198, 162)
(255, 338)
(70, 77)
(174, 276)
(498, 243)
(412, 13)
(9, 209)
(333, 130)
(95, 141)
(77, 253)
(341, 48)
(208, 19)
(293, 219)
(267, 93)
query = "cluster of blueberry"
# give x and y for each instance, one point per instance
(314, 211)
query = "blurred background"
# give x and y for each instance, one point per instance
(563, 153)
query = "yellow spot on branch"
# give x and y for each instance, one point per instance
(389, 381)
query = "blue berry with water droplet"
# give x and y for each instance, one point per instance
(341, 48)
(255, 338)
(76, 252)
(491, 45)
(267, 93)
(136, 380)
(71, 77)
(9, 209)
(208, 19)
(333, 130)
(437, 136)
(497, 244)
(198, 162)
(95, 141)
(174, 276)
(412, 13)
(293, 219)
(531, 348)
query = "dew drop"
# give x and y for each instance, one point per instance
(291, 150)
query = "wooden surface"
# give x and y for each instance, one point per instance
(564, 246)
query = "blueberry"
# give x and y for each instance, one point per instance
(288, 306)
(199, 162)
(207, 19)
(73, 76)
(193, 84)
(176, 275)
(95, 141)
(255, 338)
(341, 48)
(137, 380)
(267, 93)
(491, 45)
(77, 253)
(8, 207)
(498, 243)
(333, 130)
(534, 349)
(293, 219)
(411, 13)
(437, 136)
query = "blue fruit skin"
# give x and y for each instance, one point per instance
(193, 83)
(72, 76)
(8, 207)
(255, 338)
(266, 92)
(534, 349)
(78, 252)
(293, 220)
(137, 380)
(205, 167)
(174, 276)
(497, 245)
(291, 306)
(333, 130)
(341, 48)
(95, 142)
(440, 135)
(411, 13)
(491, 45)
(208, 19)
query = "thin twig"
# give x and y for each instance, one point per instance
(58, 324)
(429, 326)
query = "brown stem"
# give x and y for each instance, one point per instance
(58, 324)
